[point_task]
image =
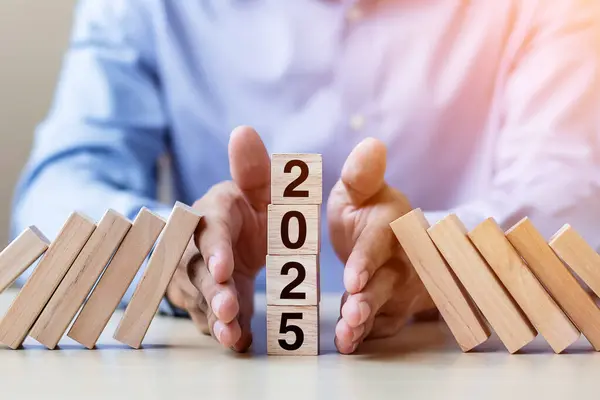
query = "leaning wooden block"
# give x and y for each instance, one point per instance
(459, 312)
(79, 280)
(450, 237)
(293, 330)
(44, 280)
(528, 292)
(294, 229)
(557, 279)
(296, 179)
(572, 248)
(292, 280)
(20, 254)
(162, 264)
(117, 277)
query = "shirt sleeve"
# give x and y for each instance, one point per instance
(547, 153)
(101, 142)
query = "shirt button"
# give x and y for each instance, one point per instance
(357, 122)
(354, 13)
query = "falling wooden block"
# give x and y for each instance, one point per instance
(117, 277)
(296, 179)
(572, 248)
(79, 280)
(530, 295)
(294, 229)
(557, 279)
(161, 266)
(44, 280)
(513, 329)
(461, 315)
(20, 254)
(292, 280)
(293, 330)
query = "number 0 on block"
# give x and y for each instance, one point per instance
(294, 229)
(292, 330)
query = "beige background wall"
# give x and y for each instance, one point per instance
(33, 37)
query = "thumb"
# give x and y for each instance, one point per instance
(363, 174)
(250, 166)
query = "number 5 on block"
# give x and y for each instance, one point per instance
(293, 330)
(296, 179)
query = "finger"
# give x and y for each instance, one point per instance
(363, 173)
(346, 337)
(219, 303)
(360, 309)
(215, 244)
(246, 300)
(250, 166)
(372, 249)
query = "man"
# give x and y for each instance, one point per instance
(479, 108)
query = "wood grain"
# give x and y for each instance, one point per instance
(277, 281)
(458, 311)
(545, 315)
(450, 237)
(117, 278)
(557, 279)
(312, 216)
(44, 279)
(79, 280)
(311, 188)
(572, 248)
(20, 254)
(308, 324)
(161, 266)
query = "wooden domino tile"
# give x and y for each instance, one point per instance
(557, 279)
(293, 330)
(545, 315)
(79, 280)
(513, 329)
(20, 254)
(294, 229)
(572, 248)
(296, 179)
(150, 291)
(458, 311)
(292, 280)
(117, 277)
(44, 279)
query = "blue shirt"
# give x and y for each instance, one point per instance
(475, 100)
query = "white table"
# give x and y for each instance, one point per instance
(423, 362)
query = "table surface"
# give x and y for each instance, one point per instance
(422, 362)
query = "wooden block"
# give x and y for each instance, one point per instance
(20, 254)
(292, 280)
(528, 292)
(44, 280)
(117, 277)
(162, 264)
(457, 309)
(79, 280)
(572, 248)
(294, 229)
(513, 329)
(557, 279)
(293, 330)
(296, 179)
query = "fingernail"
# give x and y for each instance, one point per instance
(218, 329)
(217, 302)
(363, 277)
(358, 332)
(212, 263)
(365, 311)
(354, 346)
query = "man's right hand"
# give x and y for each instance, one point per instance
(215, 279)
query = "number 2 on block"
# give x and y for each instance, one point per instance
(296, 178)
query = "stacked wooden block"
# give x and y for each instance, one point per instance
(514, 280)
(96, 262)
(294, 221)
